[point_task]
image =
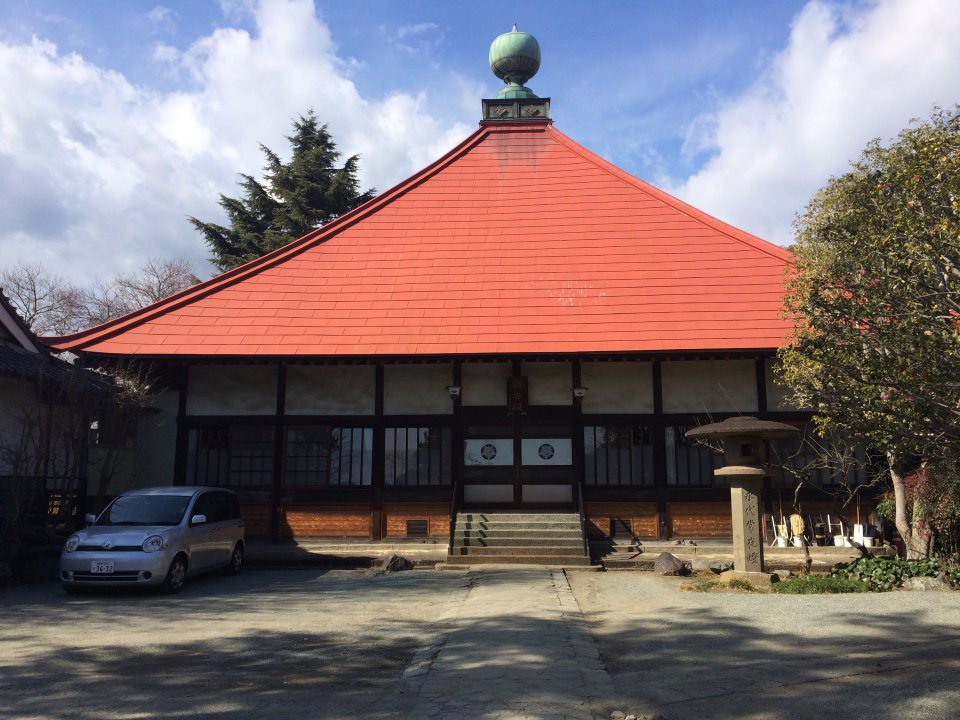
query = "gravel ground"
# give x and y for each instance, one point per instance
(733, 655)
(501, 643)
(267, 644)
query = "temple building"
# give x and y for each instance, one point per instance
(519, 325)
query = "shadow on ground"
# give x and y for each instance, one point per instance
(714, 661)
(688, 662)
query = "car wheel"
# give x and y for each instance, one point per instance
(176, 575)
(236, 560)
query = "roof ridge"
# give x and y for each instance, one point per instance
(19, 324)
(735, 233)
(225, 279)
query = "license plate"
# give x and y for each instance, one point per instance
(101, 567)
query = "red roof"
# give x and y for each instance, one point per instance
(518, 240)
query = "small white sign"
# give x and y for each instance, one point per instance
(101, 567)
(497, 451)
(550, 451)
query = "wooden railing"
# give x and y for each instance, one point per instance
(454, 509)
(583, 517)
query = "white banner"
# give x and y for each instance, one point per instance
(498, 451)
(553, 451)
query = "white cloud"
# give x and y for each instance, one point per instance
(99, 174)
(161, 17)
(844, 78)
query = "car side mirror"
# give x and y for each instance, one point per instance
(89, 518)
(198, 519)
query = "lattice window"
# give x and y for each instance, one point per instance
(230, 455)
(689, 464)
(318, 455)
(416, 456)
(618, 455)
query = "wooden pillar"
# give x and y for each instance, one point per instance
(766, 490)
(577, 437)
(456, 465)
(761, 365)
(660, 454)
(276, 494)
(379, 459)
(183, 432)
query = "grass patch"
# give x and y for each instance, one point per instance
(702, 586)
(740, 584)
(819, 585)
(717, 586)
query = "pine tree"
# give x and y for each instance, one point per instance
(295, 197)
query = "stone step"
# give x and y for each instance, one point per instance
(512, 540)
(515, 550)
(554, 560)
(520, 517)
(522, 531)
(461, 525)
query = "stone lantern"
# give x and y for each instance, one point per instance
(745, 454)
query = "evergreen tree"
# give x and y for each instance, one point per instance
(295, 197)
(876, 296)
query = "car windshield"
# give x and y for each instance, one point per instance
(145, 510)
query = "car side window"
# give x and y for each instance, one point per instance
(234, 504)
(203, 507)
(217, 502)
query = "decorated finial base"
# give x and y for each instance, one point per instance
(514, 91)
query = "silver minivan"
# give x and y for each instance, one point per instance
(156, 536)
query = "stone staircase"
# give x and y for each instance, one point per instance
(519, 538)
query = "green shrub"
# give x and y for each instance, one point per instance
(883, 574)
(816, 584)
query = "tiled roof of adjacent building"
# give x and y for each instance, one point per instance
(518, 240)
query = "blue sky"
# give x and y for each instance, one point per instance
(118, 119)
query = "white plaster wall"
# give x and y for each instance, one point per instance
(331, 390)
(232, 390)
(696, 386)
(617, 387)
(549, 383)
(777, 394)
(485, 383)
(410, 389)
(488, 493)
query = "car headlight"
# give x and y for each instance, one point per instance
(72, 542)
(153, 543)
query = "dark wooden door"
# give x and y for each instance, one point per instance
(518, 462)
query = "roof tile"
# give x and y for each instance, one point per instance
(518, 240)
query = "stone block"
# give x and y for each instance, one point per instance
(759, 580)
(393, 563)
(926, 584)
(668, 564)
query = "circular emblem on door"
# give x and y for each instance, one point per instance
(488, 451)
(546, 451)
(107, 545)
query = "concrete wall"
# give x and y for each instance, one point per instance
(485, 383)
(617, 387)
(698, 386)
(412, 389)
(331, 390)
(232, 390)
(549, 383)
